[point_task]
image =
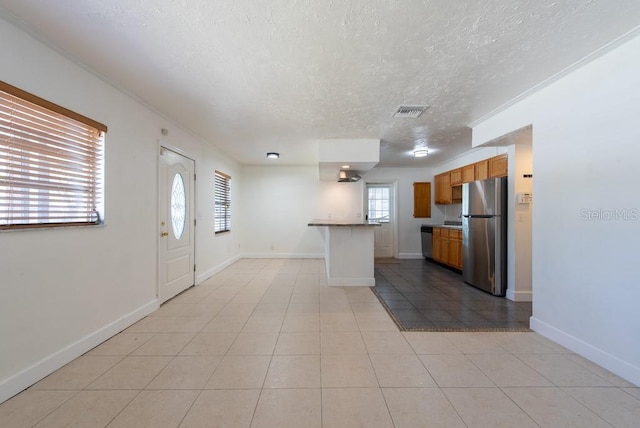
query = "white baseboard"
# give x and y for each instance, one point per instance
(27, 377)
(410, 256)
(610, 362)
(351, 282)
(283, 256)
(214, 270)
(519, 296)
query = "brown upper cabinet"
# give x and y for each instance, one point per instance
(449, 184)
(468, 173)
(443, 188)
(498, 166)
(482, 170)
(456, 177)
(422, 200)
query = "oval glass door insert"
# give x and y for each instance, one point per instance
(178, 206)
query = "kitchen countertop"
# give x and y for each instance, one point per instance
(446, 226)
(342, 223)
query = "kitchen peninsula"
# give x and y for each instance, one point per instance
(348, 251)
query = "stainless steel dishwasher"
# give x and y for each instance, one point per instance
(427, 240)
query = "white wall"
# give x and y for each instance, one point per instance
(214, 251)
(278, 203)
(520, 225)
(66, 290)
(585, 157)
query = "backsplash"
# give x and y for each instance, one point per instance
(452, 212)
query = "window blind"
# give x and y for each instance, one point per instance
(50, 163)
(222, 212)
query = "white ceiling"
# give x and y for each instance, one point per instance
(278, 75)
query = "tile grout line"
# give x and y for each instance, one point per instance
(262, 388)
(57, 407)
(373, 369)
(382, 269)
(564, 390)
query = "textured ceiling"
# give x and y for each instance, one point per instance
(278, 75)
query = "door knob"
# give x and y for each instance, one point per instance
(163, 234)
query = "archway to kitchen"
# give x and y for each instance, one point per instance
(519, 144)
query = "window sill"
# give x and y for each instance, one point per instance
(40, 228)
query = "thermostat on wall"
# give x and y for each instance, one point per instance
(524, 198)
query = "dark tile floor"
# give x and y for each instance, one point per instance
(422, 295)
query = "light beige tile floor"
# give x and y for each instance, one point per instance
(266, 343)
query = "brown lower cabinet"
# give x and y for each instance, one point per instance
(447, 246)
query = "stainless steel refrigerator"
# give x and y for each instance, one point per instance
(484, 235)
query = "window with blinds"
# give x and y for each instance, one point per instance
(222, 212)
(51, 167)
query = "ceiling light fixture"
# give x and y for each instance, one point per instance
(346, 166)
(273, 155)
(420, 153)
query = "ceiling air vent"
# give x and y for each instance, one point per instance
(409, 111)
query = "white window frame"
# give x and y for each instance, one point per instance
(51, 164)
(222, 203)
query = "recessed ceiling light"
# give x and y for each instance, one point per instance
(346, 166)
(420, 153)
(273, 155)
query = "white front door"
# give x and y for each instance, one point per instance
(177, 243)
(380, 209)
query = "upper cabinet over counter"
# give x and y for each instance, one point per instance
(444, 193)
(449, 184)
(498, 166)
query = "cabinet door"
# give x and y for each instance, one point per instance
(443, 188)
(459, 245)
(455, 249)
(468, 173)
(498, 166)
(422, 200)
(453, 253)
(436, 247)
(482, 170)
(444, 250)
(456, 177)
